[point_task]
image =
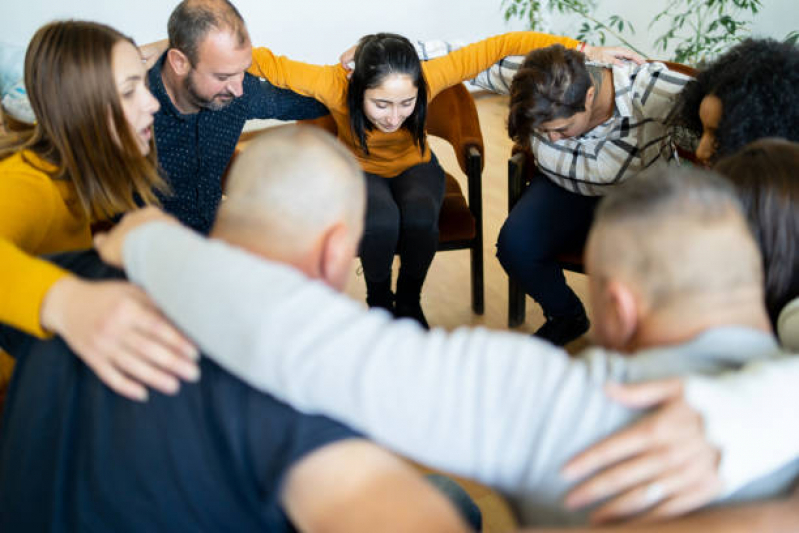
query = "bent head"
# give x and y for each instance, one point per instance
(86, 84)
(297, 195)
(766, 176)
(670, 243)
(387, 89)
(552, 93)
(745, 94)
(210, 50)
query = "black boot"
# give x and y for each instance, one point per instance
(409, 291)
(379, 295)
(561, 330)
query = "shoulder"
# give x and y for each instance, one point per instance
(25, 174)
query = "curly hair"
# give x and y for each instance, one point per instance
(551, 83)
(756, 82)
(765, 176)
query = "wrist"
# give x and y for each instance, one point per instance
(55, 301)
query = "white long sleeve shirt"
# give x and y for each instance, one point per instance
(501, 408)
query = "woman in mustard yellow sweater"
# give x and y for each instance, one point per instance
(89, 156)
(380, 113)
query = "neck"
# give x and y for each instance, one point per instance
(604, 95)
(684, 318)
(173, 83)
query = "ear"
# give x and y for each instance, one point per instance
(178, 61)
(623, 312)
(337, 253)
(590, 94)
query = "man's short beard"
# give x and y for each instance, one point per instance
(212, 104)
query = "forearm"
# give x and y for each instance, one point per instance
(323, 353)
(309, 80)
(771, 517)
(469, 61)
(752, 402)
(26, 281)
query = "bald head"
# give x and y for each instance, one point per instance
(288, 188)
(677, 239)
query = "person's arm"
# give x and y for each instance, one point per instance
(323, 353)
(327, 84)
(774, 516)
(111, 326)
(465, 63)
(354, 485)
(268, 101)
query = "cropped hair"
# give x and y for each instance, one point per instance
(756, 82)
(376, 57)
(766, 176)
(81, 127)
(192, 20)
(552, 83)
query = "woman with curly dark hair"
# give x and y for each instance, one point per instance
(750, 92)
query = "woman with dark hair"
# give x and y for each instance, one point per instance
(380, 113)
(766, 175)
(89, 156)
(748, 93)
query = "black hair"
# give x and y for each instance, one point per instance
(552, 83)
(376, 57)
(766, 176)
(756, 81)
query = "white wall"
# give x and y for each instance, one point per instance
(309, 30)
(317, 30)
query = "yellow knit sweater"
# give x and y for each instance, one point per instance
(392, 153)
(38, 215)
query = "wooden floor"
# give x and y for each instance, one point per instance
(446, 297)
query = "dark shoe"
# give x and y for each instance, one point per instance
(408, 305)
(380, 295)
(561, 330)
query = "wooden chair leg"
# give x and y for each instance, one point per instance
(474, 175)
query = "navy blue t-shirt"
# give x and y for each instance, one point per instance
(75, 456)
(194, 150)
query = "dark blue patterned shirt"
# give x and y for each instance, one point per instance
(194, 150)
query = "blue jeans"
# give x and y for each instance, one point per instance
(547, 220)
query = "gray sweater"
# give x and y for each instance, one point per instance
(501, 408)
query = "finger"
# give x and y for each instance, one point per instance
(139, 369)
(119, 383)
(644, 435)
(698, 495)
(670, 467)
(640, 395)
(163, 357)
(152, 323)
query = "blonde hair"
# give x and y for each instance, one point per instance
(70, 83)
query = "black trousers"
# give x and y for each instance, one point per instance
(547, 220)
(402, 217)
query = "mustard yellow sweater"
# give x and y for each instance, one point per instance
(38, 215)
(392, 153)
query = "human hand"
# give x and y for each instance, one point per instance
(347, 59)
(613, 55)
(150, 52)
(110, 244)
(118, 332)
(661, 466)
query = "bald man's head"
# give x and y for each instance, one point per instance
(288, 190)
(671, 236)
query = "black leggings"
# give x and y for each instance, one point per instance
(402, 216)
